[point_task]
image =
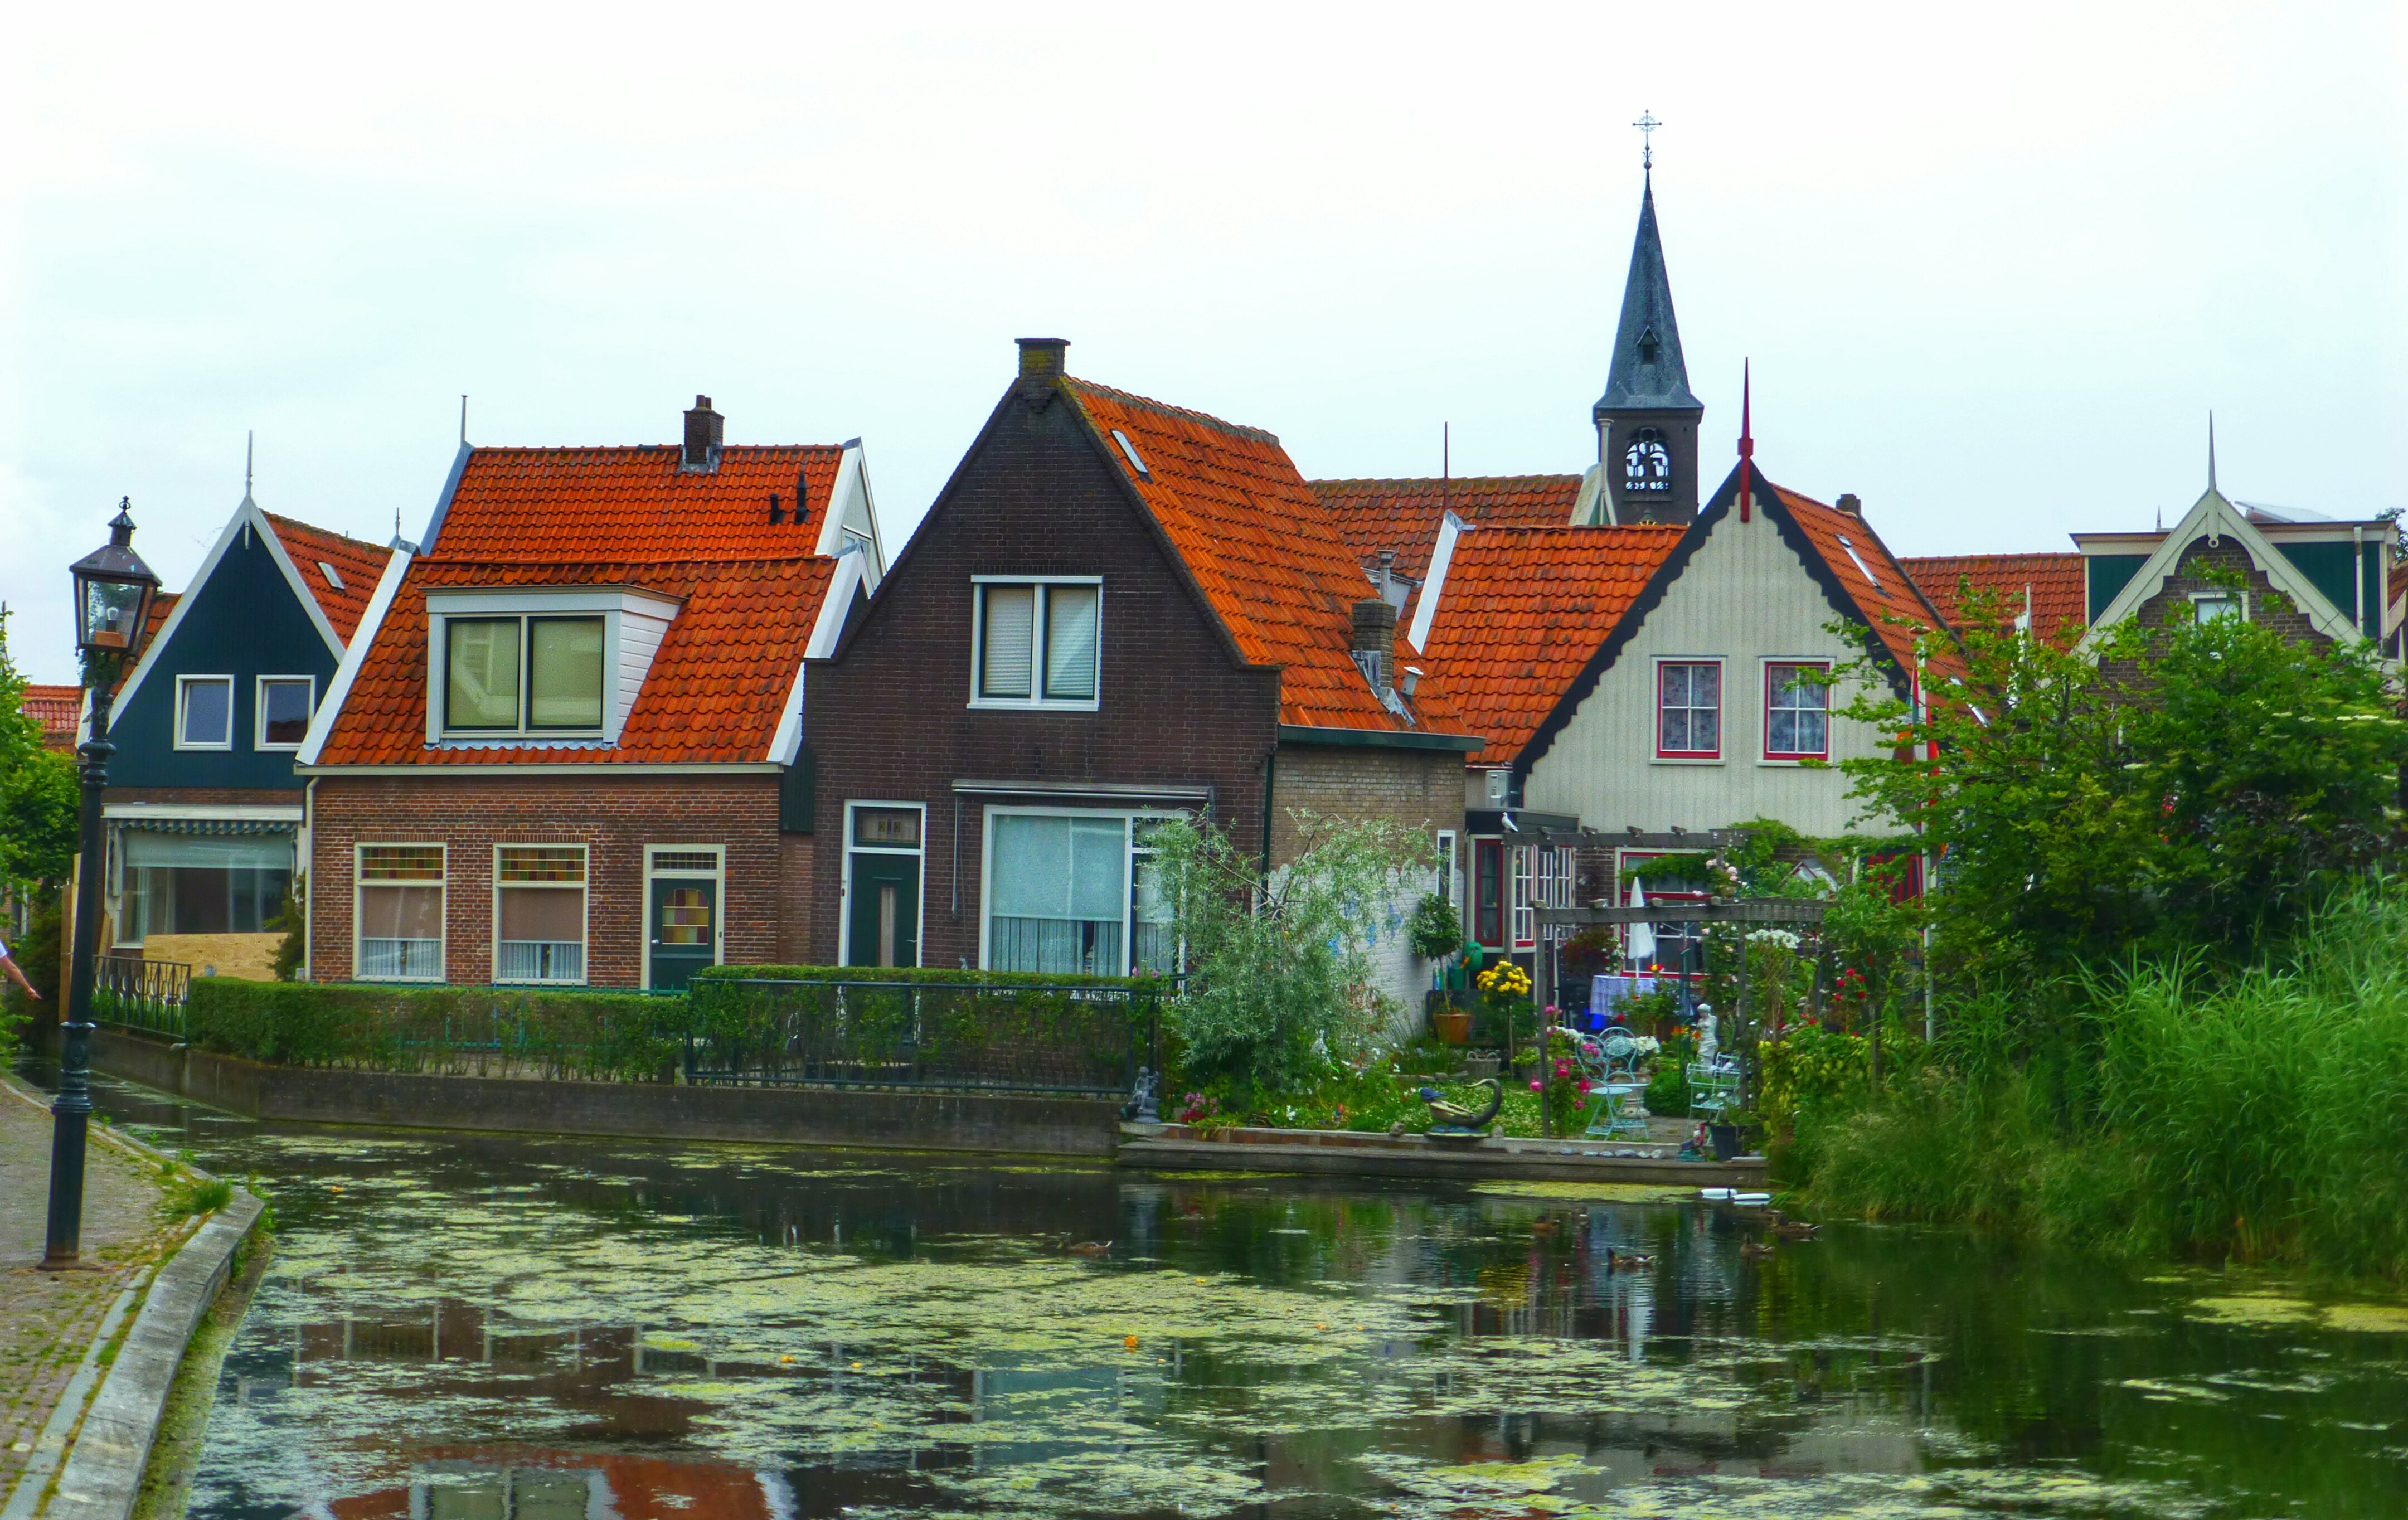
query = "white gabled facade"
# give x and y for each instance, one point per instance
(1741, 597)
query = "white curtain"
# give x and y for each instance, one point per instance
(1070, 641)
(1009, 642)
(1058, 894)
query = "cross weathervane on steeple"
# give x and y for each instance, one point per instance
(1647, 125)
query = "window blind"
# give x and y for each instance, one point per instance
(1070, 641)
(1008, 643)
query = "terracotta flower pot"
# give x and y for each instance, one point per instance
(1454, 1025)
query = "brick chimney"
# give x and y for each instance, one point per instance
(1850, 505)
(706, 431)
(1375, 641)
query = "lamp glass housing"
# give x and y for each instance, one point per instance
(109, 613)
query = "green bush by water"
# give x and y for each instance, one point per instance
(2259, 1116)
(592, 1035)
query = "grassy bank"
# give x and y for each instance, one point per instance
(2256, 1115)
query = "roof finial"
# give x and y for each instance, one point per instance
(247, 438)
(1647, 125)
(1746, 433)
(2211, 448)
(464, 417)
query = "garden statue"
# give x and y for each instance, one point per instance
(1144, 1102)
(1456, 1122)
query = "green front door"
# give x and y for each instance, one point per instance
(885, 910)
(683, 923)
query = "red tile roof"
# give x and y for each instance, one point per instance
(1404, 515)
(2055, 580)
(750, 590)
(1522, 611)
(57, 709)
(1265, 552)
(1887, 599)
(358, 565)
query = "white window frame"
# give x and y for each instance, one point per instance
(1657, 755)
(585, 885)
(1131, 818)
(259, 740)
(442, 885)
(2238, 600)
(1764, 755)
(524, 729)
(1036, 701)
(1449, 878)
(844, 932)
(1539, 877)
(184, 683)
(718, 873)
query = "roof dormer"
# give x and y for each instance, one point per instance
(520, 666)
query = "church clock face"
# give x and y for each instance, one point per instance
(1647, 464)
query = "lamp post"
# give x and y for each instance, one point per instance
(112, 601)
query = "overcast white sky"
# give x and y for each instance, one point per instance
(1992, 266)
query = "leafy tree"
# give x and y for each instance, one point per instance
(1279, 978)
(2193, 783)
(37, 790)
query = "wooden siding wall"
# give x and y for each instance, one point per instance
(1746, 598)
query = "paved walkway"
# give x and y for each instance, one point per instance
(48, 1319)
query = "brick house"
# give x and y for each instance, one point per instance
(1115, 611)
(567, 747)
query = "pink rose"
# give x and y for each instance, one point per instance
(1534, 1084)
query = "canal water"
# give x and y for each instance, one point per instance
(486, 1328)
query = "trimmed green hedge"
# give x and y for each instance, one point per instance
(623, 1037)
(973, 1028)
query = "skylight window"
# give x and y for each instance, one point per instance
(1862, 567)
(328, 572)
(1130, 448)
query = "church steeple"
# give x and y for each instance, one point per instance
(1647, 419)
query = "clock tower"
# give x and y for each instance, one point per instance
(1647, 419)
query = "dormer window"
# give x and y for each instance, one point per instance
(555, 663)
(523, 673)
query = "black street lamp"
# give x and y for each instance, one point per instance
(112, 598)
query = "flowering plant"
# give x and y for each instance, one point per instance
(1505, 980)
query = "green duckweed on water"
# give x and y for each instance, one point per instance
(479, 1328)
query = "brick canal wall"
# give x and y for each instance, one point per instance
(884, 1120)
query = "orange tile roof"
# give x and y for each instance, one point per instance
(1404, 514)
(750, 590)
(358, 564)
(1265, 551)
(161, 605)
(1522, 611)
(2055, 580)
(1887, 599)
(57, 709)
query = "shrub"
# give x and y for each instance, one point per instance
(1280, 972)
(594, 1034)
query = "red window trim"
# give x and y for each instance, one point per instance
(1663, 753)
(1771, 753)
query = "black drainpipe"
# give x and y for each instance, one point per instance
(1271, 773)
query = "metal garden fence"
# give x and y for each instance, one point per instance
(146, 996)
(1085, 1039)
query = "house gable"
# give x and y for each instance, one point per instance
(246, 615)
(1741, 595)
(2212, 520)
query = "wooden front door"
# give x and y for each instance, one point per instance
(1488, 893)
(684, 923)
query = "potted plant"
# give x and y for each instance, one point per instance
(1728, 1129)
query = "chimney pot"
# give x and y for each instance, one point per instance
(1850, 505)
(705, 433)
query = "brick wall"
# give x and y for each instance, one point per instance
(211, 796)
(613, 817)
(889, 718)
(1421, 789)
(2172, 599)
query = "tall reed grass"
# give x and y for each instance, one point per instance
(2256, 1115)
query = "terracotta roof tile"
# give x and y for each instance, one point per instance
(1888, 600)
(750, 590)
(2055, 582)
(1404, 514)
(57, 709)
(1522, 610)
(357, 564)
(1265, 552)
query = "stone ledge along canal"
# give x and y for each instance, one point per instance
(479, 1328)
